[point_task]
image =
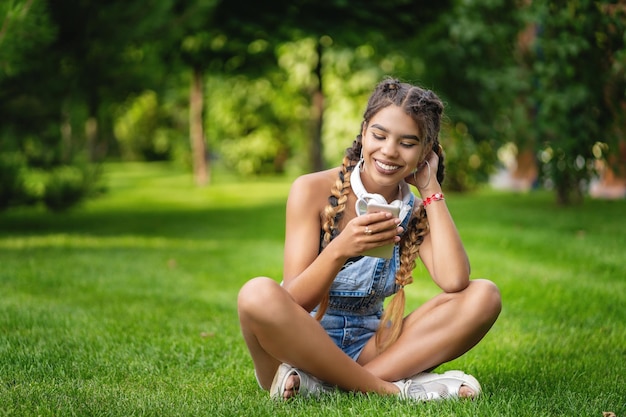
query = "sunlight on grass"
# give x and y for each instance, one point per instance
(164, 186)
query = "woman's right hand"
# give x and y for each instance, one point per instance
(368, 231)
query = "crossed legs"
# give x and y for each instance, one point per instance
(276, 330)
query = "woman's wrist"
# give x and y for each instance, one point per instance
(428, 191)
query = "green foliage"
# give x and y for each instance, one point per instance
(12, 168)
(119, 69)
(469, 61)
(349, 78)
(223, 36)
(62, 65)
(574, 69)
(468, 52)
(463, 158)
(44, 170)
(255, 125)
(25, 29)
(67, 185)
(141, 129)
(58, 188)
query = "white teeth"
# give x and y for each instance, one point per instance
(387, 167)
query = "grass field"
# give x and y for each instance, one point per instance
(126, 306)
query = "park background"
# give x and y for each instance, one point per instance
(146, 151)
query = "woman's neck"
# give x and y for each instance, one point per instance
(390, 193)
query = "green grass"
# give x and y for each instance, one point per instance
(126, 306)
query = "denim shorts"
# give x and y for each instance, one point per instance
(350, 333)
(356, 301)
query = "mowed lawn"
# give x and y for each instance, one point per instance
(127, 305)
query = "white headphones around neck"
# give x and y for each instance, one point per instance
(363, 197)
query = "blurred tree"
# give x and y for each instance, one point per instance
(547, 76)
(67, 63)
(469, 53)
(217, 37)
(25, 30)
(104, 52)
(385, 26)
(581, 87)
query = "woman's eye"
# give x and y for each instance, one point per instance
(378, 137)
(408, 144)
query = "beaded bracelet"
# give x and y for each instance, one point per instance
(433, 198)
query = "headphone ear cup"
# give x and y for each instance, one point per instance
(361, 207)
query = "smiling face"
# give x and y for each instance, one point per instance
(392, 149)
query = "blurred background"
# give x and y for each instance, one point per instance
(535, 91)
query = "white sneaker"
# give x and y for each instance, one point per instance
(309, 385)
(427, 386)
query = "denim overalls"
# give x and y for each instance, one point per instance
(356, 298)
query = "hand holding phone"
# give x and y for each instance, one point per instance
(374, 207)
(387, 250)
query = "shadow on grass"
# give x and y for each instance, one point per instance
(211, 223)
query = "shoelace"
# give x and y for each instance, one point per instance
(426, 392)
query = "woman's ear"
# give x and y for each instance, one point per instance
(363, 128)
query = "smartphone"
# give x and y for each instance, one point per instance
(373, 207)
(387, 250)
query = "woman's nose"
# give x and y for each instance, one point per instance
(389, 148)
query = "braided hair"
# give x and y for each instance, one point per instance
(426, 109)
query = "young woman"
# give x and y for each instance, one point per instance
(325, 321)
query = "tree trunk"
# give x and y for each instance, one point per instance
(568, 190)
(66, 138)
(91, 133)
(91, 126)
(196, 129)
(317, 117)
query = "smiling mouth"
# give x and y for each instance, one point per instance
(385, 167)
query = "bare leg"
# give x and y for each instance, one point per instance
(440, 330)
(276, 329)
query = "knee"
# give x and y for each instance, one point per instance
(486, 299)
(257, 296)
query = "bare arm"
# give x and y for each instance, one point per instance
(442, 251)
(308, 274)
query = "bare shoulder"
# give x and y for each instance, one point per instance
(312, 190)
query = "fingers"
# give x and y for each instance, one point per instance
(382, 234)
(421, 173)
(378, 221)
(369, 231)
(379, 227)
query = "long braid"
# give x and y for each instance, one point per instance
(333, 212)
(390, 325)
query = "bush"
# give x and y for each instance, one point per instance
(12, 168)
(65, 186)
(141, 130)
